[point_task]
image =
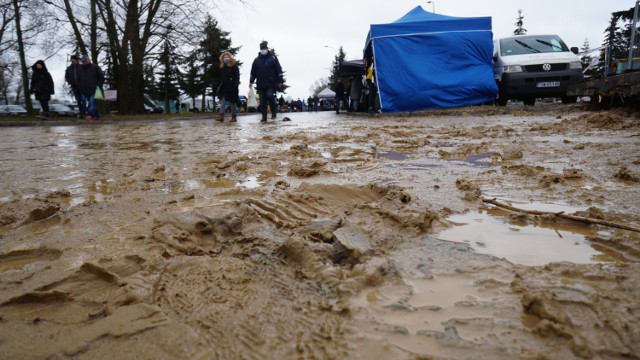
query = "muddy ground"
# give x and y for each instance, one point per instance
(323, 237)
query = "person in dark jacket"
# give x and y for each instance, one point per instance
(72, 76)
(339, 89)
(228, 87)
(42, 86)
(267, 71)
(91, 77)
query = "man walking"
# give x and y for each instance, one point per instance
(267, 71)
(339, 89)
(91, 77)
(72, 76)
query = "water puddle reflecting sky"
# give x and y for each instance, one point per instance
(489, 233)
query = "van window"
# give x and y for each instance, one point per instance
(521, 45)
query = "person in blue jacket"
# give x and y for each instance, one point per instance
(266, 70)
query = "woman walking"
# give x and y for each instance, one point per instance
(228, 88)
(42, 87)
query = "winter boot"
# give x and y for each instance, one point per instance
(221, 117)
(233, 118)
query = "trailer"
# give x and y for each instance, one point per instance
(620, 83)
(623, 88)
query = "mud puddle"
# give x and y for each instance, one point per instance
(492, 232)
(249, 182)
(320, 239)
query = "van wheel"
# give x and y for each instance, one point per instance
(501, 100)
(530, 101)
(569, 99)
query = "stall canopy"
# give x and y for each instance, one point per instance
(429, 61)
(350, 68)
(326, 93)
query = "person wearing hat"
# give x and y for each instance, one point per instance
(91, 77)
(228, 87)
(72, 76)
(42, 86)
(267, 73)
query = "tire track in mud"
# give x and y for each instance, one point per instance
(247, 292)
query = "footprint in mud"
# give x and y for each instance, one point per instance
(18, 259)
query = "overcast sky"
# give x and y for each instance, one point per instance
(299, 30)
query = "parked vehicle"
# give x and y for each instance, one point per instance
(527, 67)
(62, 110)
(14, 110)
(153, 109)
(151, 106)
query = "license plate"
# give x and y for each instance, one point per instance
(548, 84)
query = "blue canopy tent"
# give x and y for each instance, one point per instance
(430, 61)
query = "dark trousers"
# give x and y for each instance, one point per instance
(44, 104)
(373, 95)
(340, 100)
(267, 96)
(82, 107)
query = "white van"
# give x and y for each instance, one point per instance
(527, 67)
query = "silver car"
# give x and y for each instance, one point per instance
(61, 110)
(13, 110)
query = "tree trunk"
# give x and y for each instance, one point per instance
(23, 61)
(81, 47)
(94, 31)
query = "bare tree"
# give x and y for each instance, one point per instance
(28, 25)
(7, 16)
(6, 43)
(129, 35)
(17, 8)
(318, 86)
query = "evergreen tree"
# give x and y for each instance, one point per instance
(613, 38)
(167, 89)
(588, 69)
(586, 58)
(192, 82)
(519, 29)
(617, 37)
(339, 57)
(151, 85)
(214, 42)
(284, 85)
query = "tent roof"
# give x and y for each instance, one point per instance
(419, 21)
(428, 61)
(350, 68)
(326, 93)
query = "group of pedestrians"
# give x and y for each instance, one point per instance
(266, 74)
(83, 77)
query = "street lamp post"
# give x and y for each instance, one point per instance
(331, 47)
(433, 6)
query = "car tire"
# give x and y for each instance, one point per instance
(501, 100)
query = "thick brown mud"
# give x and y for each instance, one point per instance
(325, 237)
